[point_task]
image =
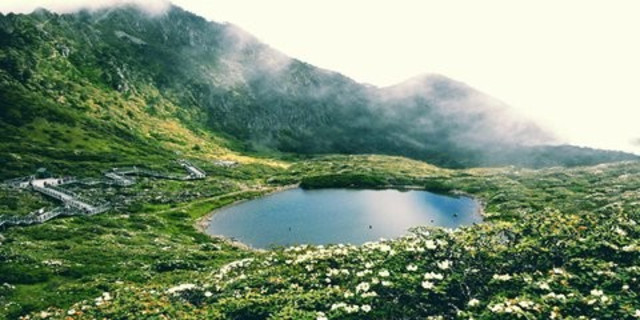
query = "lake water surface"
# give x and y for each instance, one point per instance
(326, 216)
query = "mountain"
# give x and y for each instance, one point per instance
(119, 84)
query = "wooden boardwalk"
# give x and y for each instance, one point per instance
(73, 204)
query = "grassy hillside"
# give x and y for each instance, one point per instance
(81, 93)
(118, 85)
(63, 109)
(552, 241)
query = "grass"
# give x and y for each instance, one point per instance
(68, 115)
(154, 246)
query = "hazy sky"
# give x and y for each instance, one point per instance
(574, 66)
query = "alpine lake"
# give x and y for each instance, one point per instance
(348, 216)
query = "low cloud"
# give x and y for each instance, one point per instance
(153, 7)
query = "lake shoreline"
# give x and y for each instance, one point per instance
(202, 223)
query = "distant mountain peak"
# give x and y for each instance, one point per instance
(216, 79)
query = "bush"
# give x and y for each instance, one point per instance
(344, 181)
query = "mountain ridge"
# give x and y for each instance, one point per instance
(223, 91)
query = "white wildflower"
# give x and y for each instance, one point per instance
(333, 272)
(444, 265)
(412, 267)
(526, 304)
(630, 248)
(512, 309)
(502, 277)
(182, 287)
(596, 292)
(52, 263)
(433, 276)
(383, 273)
(497, 308)
(473, 302)
(362, 287)
(366, 308)
(336, 306)
(351, 308)
(621, 232)
(427, 284)
(553, 295)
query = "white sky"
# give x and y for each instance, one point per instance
(572, 65)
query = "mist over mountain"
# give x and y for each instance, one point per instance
(120, 75)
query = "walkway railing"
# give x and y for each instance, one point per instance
(74, 206)
(66, 198)
(18, 182)
(34, 217)
(120, 180)
(194, 172)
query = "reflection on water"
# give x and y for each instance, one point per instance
(339, 216)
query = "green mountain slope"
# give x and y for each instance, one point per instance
(68, 99)
(94, 90)
(118, 84)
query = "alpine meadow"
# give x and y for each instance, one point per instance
(160, 165)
